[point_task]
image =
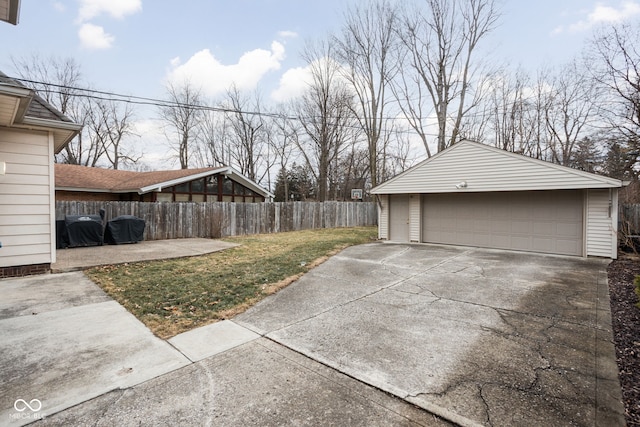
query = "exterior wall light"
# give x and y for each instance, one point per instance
(462, 184)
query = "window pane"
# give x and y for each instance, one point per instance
(212, 184)
(197, 186)
(228, 186)
(182, 188)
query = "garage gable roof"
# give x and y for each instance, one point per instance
(473, 167)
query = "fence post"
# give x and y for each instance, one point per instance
(166, 220)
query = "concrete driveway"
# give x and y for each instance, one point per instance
(480, 337)
(71, 356)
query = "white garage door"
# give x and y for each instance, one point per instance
(536, 221)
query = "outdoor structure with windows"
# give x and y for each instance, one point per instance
(223, 184)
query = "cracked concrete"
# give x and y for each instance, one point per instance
(478, 337)
(481, 337)
(88, 362)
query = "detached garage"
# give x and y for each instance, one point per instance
(475, 195)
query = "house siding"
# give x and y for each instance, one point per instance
(486, 169)
(383, 217)
(415, 213)
(26, 195)
(601, 224)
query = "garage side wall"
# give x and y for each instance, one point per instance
(415, 211)
(25, 201)
(602, 227)
(383, 217)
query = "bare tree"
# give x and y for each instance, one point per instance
(283, 138)
(367, 48)
(569, 111)
(56, 80)
(441, 40)
(183, 114)
(108, 125)
(325, 114)
(248, 134)
(613, 58)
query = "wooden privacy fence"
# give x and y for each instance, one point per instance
(221, 219)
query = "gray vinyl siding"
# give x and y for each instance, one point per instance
(601, 224)
(486, 169)
(415, 211)
(383, 217)
(26, 198)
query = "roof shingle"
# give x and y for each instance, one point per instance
(99, 179)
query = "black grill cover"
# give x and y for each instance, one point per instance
(62, 237)
(124, 229)
(83, 230)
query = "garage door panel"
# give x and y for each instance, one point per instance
(542, 244)
(544, 228)
(569, 230)
(484, 226)
(520, 227)
(538, 221)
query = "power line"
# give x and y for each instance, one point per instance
(160, 103)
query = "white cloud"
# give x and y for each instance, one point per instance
(94, 37)
(292, 84)
(115, 8)
(295, 81)
(287, 34)
(603, 14)
(205, 71)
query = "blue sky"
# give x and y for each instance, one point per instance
(134, 46)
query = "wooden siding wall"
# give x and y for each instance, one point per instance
(25, 198)
(221, 219)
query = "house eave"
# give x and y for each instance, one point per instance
(226, 171)
(160, 185)
(14, 12)
(63, 132)
(249, 184)
(93, 190)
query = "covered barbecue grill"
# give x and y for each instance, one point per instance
(124, 229)
(83, 230)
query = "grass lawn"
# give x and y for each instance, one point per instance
(174, 296)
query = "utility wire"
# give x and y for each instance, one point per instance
(160, 103)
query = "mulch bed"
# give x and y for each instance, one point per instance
(625, 315)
